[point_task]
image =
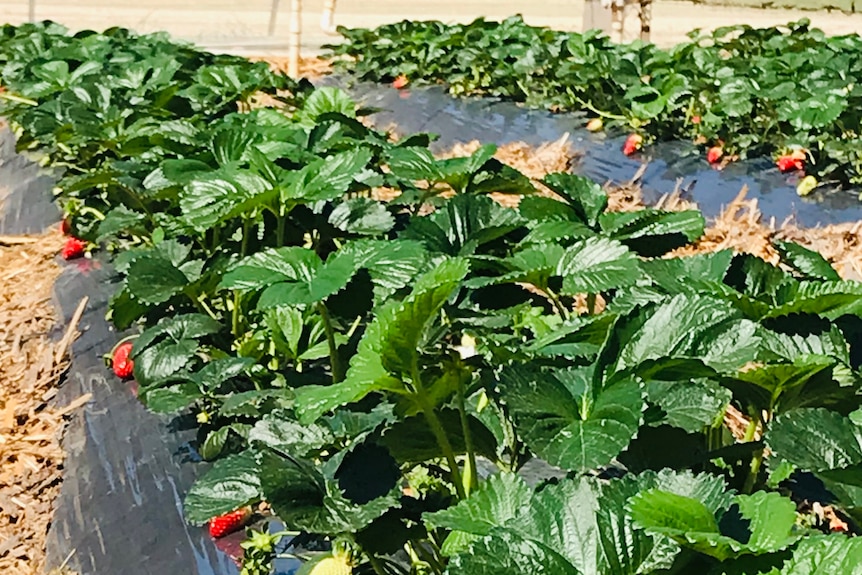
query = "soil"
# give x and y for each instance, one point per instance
(32, 363)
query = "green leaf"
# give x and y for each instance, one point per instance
(688, 274)
(689, 326)
(212, 198)
(411, 439)
(283, 434)
(218, 371)
(586, 197)
(362, 216)
(595, 265)
(166, 348)
(327, 178)
(154, 279)
(829, 299)
(564, 417)
(161, 361)
(766, 518)
(292, 486)
(215, 442)
(413, 163)
(271, 266)
(690, 404)
(664, 512)
(389, 345)
(231, 483)
(832, 554)
(506, 553)
(772, 518)
(651, 232)
(498, 499)
(462, 225)
(815, 112)
(405, 327)
(809, 264)
(325, 100)
(808, 381)
(815, 439)
(330, 278)
(119, 219)
(170, 399)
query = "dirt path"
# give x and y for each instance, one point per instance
(31, 364)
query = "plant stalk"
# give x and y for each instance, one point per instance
(234, 314)
(279, 230)
(757, 460)
(558, 305)
(470, 474)
(438, 430)
(334, 357)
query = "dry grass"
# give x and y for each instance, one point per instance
(31, 365)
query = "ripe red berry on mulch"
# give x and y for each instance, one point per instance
(229, 522)
(633, 144)
(790, 164)
(400, 82)
(714, 154)
(121, 363)
(74, 248)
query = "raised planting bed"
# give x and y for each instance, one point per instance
(415, 377)
(746, 92)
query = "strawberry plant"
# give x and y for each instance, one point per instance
(757, 90)
(437, 383)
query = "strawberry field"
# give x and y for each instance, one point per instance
(413, 376)
(738, 91)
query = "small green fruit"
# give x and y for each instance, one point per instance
(806, 186)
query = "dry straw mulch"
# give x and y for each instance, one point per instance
(31, 365)
(311, 67)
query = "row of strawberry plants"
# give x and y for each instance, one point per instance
(738, 90)
(383, 373)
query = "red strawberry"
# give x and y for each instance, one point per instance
(633, 144)
(695, 119)
(714, 154)
(790, 164)
(400, 82)
(65, 227)
(74, 248)
(229, 522)
(121, 363)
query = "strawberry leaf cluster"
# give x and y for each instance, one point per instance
(754, 91)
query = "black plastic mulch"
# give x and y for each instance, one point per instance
(431, 109)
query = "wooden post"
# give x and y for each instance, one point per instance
(327, 19)
(273, 14)
(295, 38)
